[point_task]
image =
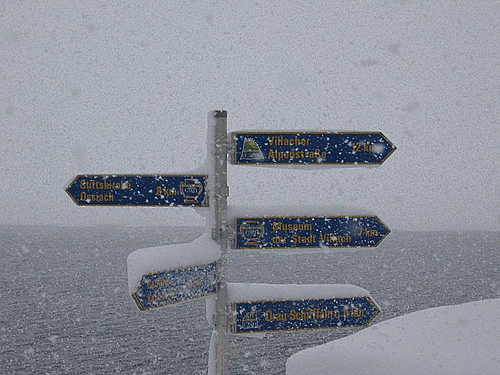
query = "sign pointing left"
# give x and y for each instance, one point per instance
(139, 190)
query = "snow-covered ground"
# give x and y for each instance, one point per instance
(461, 339)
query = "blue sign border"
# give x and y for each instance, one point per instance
(291, 315)
(344, 225)
(314, 148)
(165, 190)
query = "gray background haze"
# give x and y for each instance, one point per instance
(125, 87)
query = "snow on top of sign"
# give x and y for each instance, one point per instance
(203, 250)
(282, 292)
(459, 340)
(235, 211)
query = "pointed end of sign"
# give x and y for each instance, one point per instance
(376, 307)
(71, 184)
(392, 148)
(387, 231)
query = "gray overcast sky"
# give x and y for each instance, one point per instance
(125, 87)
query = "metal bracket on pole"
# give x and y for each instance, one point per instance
(220, 234)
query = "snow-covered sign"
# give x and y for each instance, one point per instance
(347, 148)
(309, 232)
(159, 276)
(298, 307)
(178, 285)
(139, 190)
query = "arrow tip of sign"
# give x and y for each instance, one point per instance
(391, 150)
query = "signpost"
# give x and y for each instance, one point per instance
(177, 285)
(139, 190)
(309, 232)
(299, 148)
(270, 316)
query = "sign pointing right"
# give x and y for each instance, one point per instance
(260, 308)
(309, 231)
(301, 148)
(272, 316)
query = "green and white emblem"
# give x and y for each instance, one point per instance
(251, 150)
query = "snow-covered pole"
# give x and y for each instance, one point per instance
(220, 234)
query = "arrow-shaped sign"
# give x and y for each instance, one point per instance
(139, 190)
(347, 148)
(310, 232)
(266, 316)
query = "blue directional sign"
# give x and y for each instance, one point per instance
(178, 285)
(348, 148)
(265, 316)
(329, 231)
(139, 190)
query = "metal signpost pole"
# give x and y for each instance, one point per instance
(221, 191)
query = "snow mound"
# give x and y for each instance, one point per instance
(461, 339)
(202, 250)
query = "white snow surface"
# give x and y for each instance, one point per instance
(458, 340)
(242, 292)
(142, 262)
